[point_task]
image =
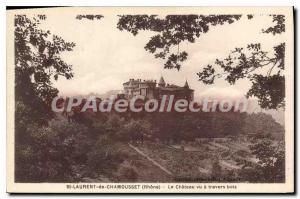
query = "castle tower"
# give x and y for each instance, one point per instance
(161, 82)
(130, 88)
(186, 85)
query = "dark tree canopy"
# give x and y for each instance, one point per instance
(270, 166)
(171, 31)
(38, 61)
(89, 17)
(279, 26)
(241, 63)
(268, 87)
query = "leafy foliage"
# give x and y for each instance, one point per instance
(172, 30)
(279, 26)
(241, 63)
(216, 170)
(97, 146)
(134, 130)
(270, 167)
(263, 124)
(42, 149)
(247, 63)
(89, 17)
(37, 61)
(105, 156)
(48, 153)
(269, 90)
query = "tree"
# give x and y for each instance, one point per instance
(171, 31)
(51, 152)
(227, 124)
(127, 173)
(134, 130)
(270, 167)
(40, 147)
(264, 124)
(105, 156)
(242, 63)
(37, 61)
(268, 87)
(89, 17)
(216, 171)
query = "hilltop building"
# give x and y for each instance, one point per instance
(153, 90)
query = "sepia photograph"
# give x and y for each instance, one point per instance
(150, 100)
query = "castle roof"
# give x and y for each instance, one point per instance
(186, 85)
(162, 85)
(173, 88)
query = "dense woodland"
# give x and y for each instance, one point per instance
(93, 142)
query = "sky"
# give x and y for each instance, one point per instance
(105, 57)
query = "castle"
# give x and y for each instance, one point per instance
(152, 90)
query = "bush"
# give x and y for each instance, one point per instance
(134, 130)
(127, 174)
(51, 152)
(104, 157)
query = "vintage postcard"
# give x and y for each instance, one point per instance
(150, 100)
